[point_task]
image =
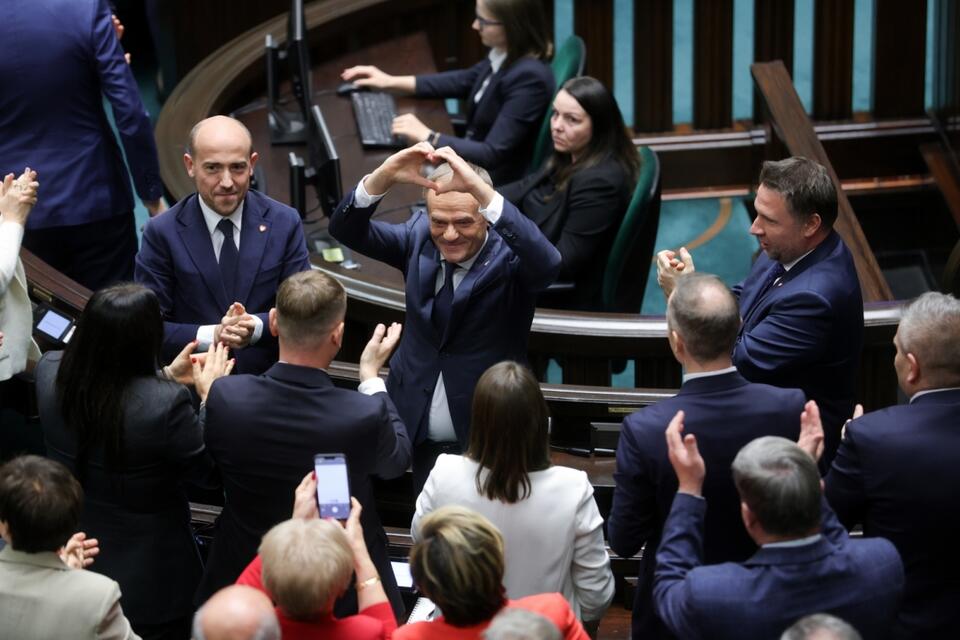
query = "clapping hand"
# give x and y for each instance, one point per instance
(670, 266)
(685, 457)
(79, 552)
(857, 412)
(378, 350)
(236, 327)
(17, 197)
(215, 365)
(811, 431)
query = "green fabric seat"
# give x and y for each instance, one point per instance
(567, 63)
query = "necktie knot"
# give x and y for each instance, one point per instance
(226, 228)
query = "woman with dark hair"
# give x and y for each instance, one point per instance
(506, 94)
(580, 195)
(132, 438)
(549, 519)
(458, 562)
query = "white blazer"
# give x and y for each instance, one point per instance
(16, 313)
(553, 538)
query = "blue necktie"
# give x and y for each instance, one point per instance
(228, 257)
(443, 302)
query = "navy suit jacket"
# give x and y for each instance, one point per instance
(896, 473)
(491, 314)
(177, 261)
(502, 128)
(59, 58)
(858, 581)
(725, 412)
(806, 332)
(263, 432)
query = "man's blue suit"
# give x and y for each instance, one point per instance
(502, 127)
(859, 581)
(806, 332)
(177, 261)
(490, 316)
(896, 473)
(725, 412)
(59, 58)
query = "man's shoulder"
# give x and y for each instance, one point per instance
(167, 222)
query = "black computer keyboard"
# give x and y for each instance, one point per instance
(375, 112)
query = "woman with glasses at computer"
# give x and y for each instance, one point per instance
(579, 197)
(129, 432)
(507, 94)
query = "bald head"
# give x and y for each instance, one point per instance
(215, 129)
(236, 612)
(220, 159)
(703, 312)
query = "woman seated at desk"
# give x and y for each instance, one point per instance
(579, 197)
(507, 94)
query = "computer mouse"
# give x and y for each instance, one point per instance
(346, 88)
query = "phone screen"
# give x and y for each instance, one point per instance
(333, 489)
(53, 324)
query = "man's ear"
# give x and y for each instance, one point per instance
(253, 161)
(913, 372)
(812, 225)
(272, 322)
(748, 517)
(337, 334)
(188, 164)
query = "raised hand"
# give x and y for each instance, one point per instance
(464, 178)
(685, 457)
(857, 412)
(181, 369)
(79, 552)
(403, 167)
(811, 431)
(216, 365)
(17, 196)
(378, 350)
(670, 266)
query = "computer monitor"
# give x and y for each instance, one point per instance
(324, 163)
(290, 126)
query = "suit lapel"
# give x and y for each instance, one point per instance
(254, 233)
(754, 298)
(196, 239)
(428, 265)
(472, 105)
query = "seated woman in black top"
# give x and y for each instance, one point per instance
(506, 94)
(580, 195)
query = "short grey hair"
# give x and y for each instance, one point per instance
(268, 628)
(705, 314)
(930, 330)
(805, 185)
(520, 624)
(780, 483)
(820, 626)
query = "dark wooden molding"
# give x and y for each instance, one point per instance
(652, 65)
(593, 21)
(772, 40)
(899, 58)
(712, 64)
(833, 60)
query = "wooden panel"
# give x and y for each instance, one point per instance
(652, 65)
(794, 128)
(772, 40)
(899, 60)
(712, 64)
(593, 21)
(833, 60)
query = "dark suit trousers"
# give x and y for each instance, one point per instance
(95, 254)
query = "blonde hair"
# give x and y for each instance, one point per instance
(458, 563)
(307, 564)
(310, 304)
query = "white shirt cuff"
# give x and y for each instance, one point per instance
(495, 209)
(257, 330)
(362, 199)
(372, 386)
(205, 336)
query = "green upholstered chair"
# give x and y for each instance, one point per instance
(628, 263)
(567, 63)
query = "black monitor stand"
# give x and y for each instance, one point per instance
(286, 127)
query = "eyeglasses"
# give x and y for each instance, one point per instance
(483, 22)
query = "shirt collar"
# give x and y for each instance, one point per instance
(928, 391)
(707, 374)
(497, 57)
(212, 218)
(799, 542)
(792, 264)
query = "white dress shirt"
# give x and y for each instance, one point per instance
(212, 218)
(553, 538)
(440, 425)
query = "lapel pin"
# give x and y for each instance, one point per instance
(263, 228)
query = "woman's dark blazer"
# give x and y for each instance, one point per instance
(140, 515)
(502, 128)
(581, 221)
